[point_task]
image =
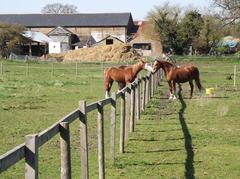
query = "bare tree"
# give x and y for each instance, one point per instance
(229, 10)
(165, 20)
(58, 8)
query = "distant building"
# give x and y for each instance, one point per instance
(145, 43)
(84, 41)
(109, 40)
(99, 25)
(67, 28)
(84, 30)
(64, 37)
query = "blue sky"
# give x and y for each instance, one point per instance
(138, 8)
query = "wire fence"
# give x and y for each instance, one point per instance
(50, 69)
(230, 73)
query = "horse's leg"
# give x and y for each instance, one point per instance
(107, 84)
(180, 87)
(198, 83)
(121, 85)
(170, 89)
(174, 89)
(191, 86)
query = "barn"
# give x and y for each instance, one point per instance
(99, 25)
(83, 30)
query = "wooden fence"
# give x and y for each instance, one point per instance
(137, 95)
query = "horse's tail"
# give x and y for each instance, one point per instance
(107, 80)
(198, 81)
(105, 71)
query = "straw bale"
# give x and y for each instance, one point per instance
(116, 52)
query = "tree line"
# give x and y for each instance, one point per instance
(191, 32)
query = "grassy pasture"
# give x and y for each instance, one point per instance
(171, 141)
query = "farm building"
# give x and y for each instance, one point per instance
(70, 31)
(84, 41)
(63, 37)
(35, 43)
(98, 25)
(145, 42)
(109, 40)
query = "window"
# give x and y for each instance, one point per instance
(143, 46)
(109, 41)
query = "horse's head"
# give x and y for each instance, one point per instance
(145, 65)
(162, 64)
(157, 65)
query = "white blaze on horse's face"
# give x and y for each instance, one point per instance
(155, 66)
(148, 67)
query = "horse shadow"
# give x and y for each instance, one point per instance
(189, 166)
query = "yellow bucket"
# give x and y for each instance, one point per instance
(209, 91)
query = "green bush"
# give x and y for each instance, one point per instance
(223, 49)
(237, 54)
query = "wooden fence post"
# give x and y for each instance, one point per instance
(65, 151)
(27, 69)
(144, 92)
(1, 69)
(234, 75)
(122, 124)
(101, 163)
(149, 87)
(132, 108)
(84, 139)
(147, 90)
(127, 114)
(137, 99)
(156, 80)
(76, 69)
(152, 84)
(139, 96)
(31, 156)
(113, 128)
(52, 69)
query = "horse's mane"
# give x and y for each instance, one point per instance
(124, 67)
(166, 62)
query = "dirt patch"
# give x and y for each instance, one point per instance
(116, 52)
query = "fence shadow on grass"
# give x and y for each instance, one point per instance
(189, 167)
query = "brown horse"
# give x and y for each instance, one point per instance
(179, 74)
(123, 75)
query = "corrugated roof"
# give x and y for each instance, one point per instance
(37, 36)
(68, 20)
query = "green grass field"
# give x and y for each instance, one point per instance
(197, 138)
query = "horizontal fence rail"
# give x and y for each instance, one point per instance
(133, 99)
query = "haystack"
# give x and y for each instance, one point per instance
(115, 52)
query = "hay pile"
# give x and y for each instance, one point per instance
(116, 52)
